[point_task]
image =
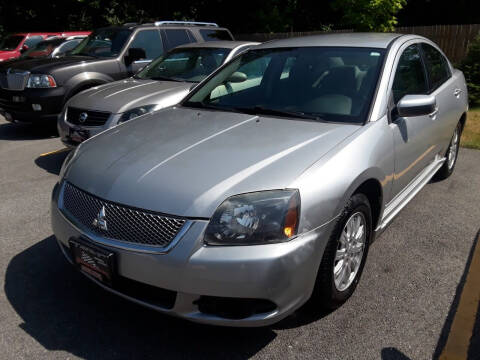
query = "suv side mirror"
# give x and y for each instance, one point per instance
(416, 105)
(134, 54)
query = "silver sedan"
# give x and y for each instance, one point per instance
(266, 186)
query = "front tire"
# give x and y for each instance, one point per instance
(451, 155)
(344, 257)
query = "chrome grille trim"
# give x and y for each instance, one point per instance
(128, 227)
(14, 79)
(94, 118)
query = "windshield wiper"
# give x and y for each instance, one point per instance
(164, 78)
(260, 110)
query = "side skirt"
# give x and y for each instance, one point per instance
(407, 194)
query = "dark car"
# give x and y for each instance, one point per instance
(36, 89)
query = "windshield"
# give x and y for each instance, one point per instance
(103, 43)
(42, 49)
(10, 42)
(317, 83)
(192, 65)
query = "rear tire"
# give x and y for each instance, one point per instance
(451, 155)
(330, 292)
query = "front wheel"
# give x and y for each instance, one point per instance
(344, 257)
(451, 156)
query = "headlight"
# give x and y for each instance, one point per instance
(66, 163)
(255, 218)
(41, 81)
(136, 112)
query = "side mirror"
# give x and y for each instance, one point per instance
(237, 77)
(416, 105)
(134, 54)
(23, 48)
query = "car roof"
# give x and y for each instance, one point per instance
(371, 40)
(225, 44)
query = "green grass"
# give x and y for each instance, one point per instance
(471, 132)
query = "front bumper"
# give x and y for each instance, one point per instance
(282, 274)
(18, 104)
(65, 129)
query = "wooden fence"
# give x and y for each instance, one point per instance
(452, 39)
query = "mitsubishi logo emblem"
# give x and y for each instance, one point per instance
(100, 222)
(83, 117)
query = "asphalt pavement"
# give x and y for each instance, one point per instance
(402, 309)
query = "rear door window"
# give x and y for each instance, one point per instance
(437, 66)
(150, 41)
(214, 35)
(177, 37)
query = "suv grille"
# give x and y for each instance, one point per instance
(93, 118)
(123, 223)
(14, 79)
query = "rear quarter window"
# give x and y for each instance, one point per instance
(214, 35)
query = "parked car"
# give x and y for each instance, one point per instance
(36, 89)
(236, 207)
(52, 47)
(162, 83)
(12, 46)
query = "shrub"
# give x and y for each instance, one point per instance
(471, 69)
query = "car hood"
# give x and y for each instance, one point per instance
(46, 65)
(7, 55)
(119, 96)
(186, 162)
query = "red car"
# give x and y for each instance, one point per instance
(12, 46)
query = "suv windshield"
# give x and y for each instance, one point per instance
(317, 83)
(10, 42)
(42, 49)
(186, 64)
(103, 43)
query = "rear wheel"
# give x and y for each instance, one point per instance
(345, 254)
(451, 155)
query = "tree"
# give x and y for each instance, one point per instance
(370, 15)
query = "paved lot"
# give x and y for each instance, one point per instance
(402, 309)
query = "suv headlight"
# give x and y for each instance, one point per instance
(136, 112)
(41, 81)
(263, 217)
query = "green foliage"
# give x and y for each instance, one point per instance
(370, 15)
(471, 69)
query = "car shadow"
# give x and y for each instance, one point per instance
(52, 162)
(62, 310)
(19, 132)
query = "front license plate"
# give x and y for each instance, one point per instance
(93, 260)
(78, 135)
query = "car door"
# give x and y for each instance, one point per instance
(447, 93)
(150, 41)
(413, 140)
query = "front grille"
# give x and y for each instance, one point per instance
(14, 79)
(86, 117)
(122, 223)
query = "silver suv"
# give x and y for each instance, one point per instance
(268, 183)
(162, 83)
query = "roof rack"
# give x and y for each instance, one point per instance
(128, 24)
(189, 23)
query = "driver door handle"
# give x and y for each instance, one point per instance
(457, 92)
(434, 113)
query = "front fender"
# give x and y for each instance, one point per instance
(327, 185)
(84, 80)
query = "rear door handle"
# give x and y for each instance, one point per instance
(457, 92)
(434, 113)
